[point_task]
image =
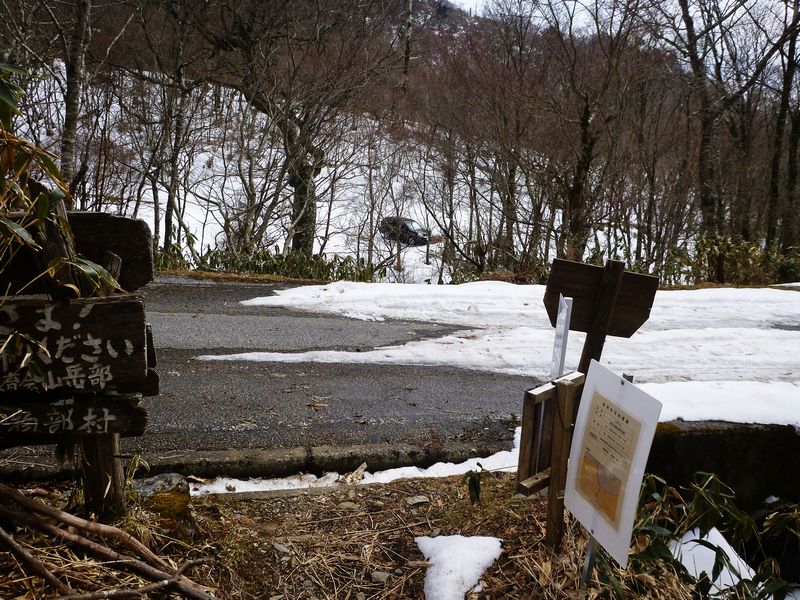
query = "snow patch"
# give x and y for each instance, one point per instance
(457, 563)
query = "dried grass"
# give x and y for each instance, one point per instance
(342, 543)
(329, 544)
(83, 573)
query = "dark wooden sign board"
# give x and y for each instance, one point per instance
(605, 301)
(86, 345)
(95, 234)
(584, 283)
(43, 421)
(78, 367)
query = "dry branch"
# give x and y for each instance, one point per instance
(133, 593)
(104, 531)
(180, 584)
(37, 566)
(152, 567)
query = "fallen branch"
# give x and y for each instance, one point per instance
(126, 593)
(133, 593)
(180, 584)
(35, 565)
(105, 531)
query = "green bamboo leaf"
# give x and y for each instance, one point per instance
(17, 231)
(5, 115)
(14, 187)
(42, 206)
(9, 94)
(97, 275)
(56, 196)
(49, 166)
(12, 69)
(55, 265)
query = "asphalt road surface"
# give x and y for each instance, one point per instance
(224, 405)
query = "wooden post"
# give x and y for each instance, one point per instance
(601, 314)
(537, 413)
(567, 390)
(103, 480)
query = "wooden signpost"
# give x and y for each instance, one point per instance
(606, 301)
(80, 367)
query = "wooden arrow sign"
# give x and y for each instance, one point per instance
(584, 284)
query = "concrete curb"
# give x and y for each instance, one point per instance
(279, 462)
(754, 460)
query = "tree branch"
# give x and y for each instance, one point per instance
(37, 566)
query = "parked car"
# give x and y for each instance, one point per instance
(404, 230)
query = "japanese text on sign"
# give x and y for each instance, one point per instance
(60, 417)
(605, 460)
(60, 353)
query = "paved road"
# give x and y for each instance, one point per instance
(246, 405)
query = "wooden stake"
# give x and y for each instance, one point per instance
(531, 447)
(103, 481)
(567, 389)
(603, 311)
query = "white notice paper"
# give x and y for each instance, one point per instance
(613, 434)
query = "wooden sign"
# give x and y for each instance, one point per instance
(583, 283)
(84, 345)
(130, 239)
(26, 421)
(606, 301)
(95, 234)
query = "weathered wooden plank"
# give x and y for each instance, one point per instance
(582, 283)
(95, 234)
(567, 390)
(152, 358)
(535, 483)
(526, 463)
(130, 239)
(103, 479)
(41, 421)
(87, 345)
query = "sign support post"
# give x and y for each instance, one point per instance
(603, 310)
(567, 389)
(588, 561)
(605, 301)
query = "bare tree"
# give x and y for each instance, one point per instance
(701, 33)
(300, 66)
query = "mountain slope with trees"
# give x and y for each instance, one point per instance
(662, 134)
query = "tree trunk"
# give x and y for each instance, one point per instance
(304, 207)
(773, 206)
(577, 217)
(509, 215)
(76, 74)
(407, 50)
(791, 219)
(178, 122)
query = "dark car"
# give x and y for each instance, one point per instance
(404, 230)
